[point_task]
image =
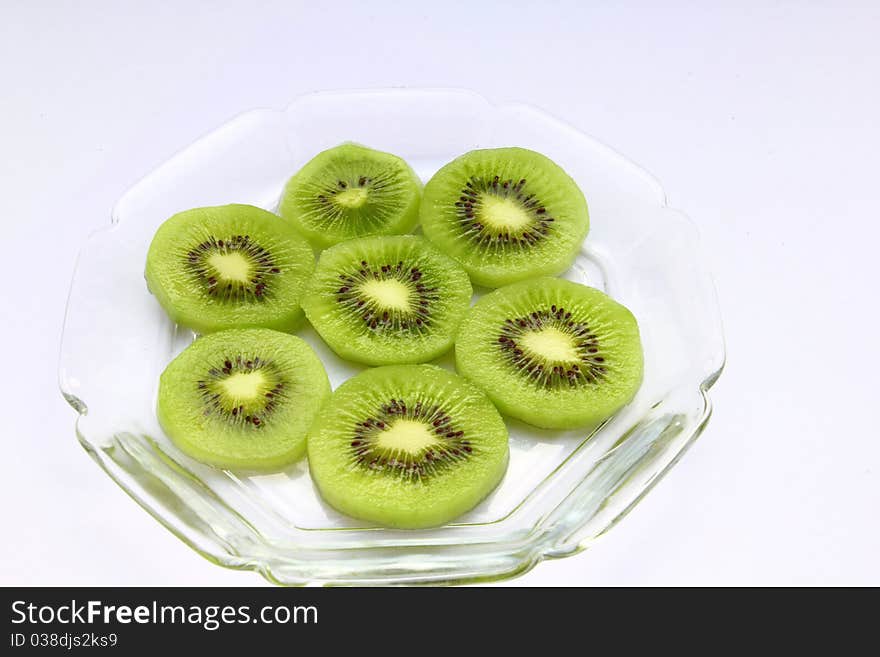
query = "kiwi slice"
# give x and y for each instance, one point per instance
(230, 266)
(387, 300)
(243, 398)
(506, 214)
(352, 191)
(552, 353)
(407, 446)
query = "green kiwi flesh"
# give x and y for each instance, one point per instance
(242, 398)
(387, 300)
(352, 191)
(407, 446)
(552, 353)
(230, 266)
(506, 214)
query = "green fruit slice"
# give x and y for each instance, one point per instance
(552, 353)
(387, 300)
(407, 446)
(506, 214)
(231, 266)
(243, 398)
(352, 191)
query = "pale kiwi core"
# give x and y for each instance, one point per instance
(352, 198)
(550, 344)
(389, 293)
(503, 214)
(408, 436)
(244, 386)
(231, 266)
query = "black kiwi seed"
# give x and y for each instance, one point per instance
(254, 412)
(378, 318)
(589, 369)
(452, 445)
(469, 208)
(261, 263)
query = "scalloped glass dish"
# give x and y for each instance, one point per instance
(562, 490)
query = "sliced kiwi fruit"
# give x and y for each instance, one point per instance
(552, 353)
(352, 191)
(387, 300)
(506, 214)
(230, 266)
(242, 398)
(407, 446)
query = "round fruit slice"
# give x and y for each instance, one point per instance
(387, 300)
(231, 266)
(551, 352)
(242, 398)
(407, 446)
(506, 214)
(352, 191)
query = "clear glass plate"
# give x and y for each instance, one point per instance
(563, 489)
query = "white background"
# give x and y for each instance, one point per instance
(760, 121)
